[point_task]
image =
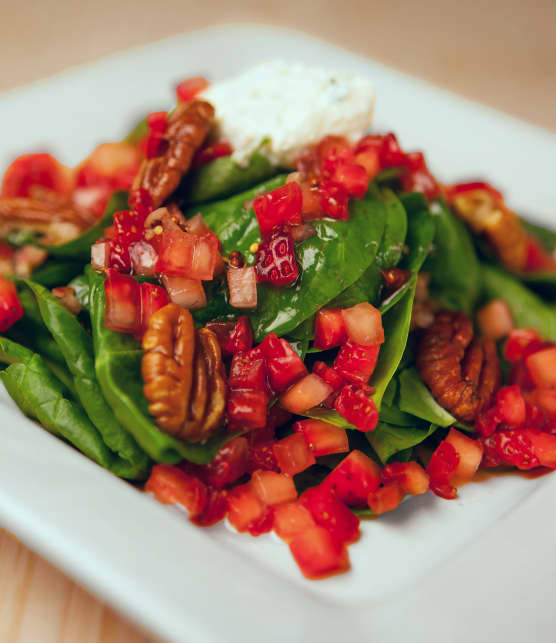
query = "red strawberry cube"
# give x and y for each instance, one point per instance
(322, 438)
(290, 519)
(171, 485)
(358, 409)
(246, 409)
(123, 303)
(10, 306)
(285, 369)
(411, 477)
(241, 337)
(356, 363)
(278, 207)
(386, 498)
(364, 324)
(247, 372)
(331, 513)
(153, 298)
(273, 488)
(244, 507)
(318, 553)
(329, 375)
(510, 406)
(293, 455)
(308, 392)
(353, 479)
(542, 367)
(330, 329)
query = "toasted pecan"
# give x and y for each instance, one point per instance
(461, 371)
(183, 375)
(487, 215)
(186, 131)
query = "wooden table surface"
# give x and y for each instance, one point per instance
(500, 52)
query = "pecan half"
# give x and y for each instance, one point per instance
(486, 215)
(462, 372)
(186, 131)
(183, 375)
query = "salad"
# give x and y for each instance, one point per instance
(256, 309)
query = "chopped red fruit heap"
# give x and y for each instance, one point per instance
(278, 208)
(190, 87)
(34, 170)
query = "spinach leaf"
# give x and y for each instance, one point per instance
(329, 415)
(330, 261)
(416, 399)
(80, 285)
(224, 177)
(80, 247)
(138, 133)
(57, 273)
(393, 415)
(367, 287)
(41, 396)
(118, 368)
(453, 263)
(528, 310)
(397, 318)
(388, 439)
(77, 347)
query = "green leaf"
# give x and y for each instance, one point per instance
(118, 368)
(544, 235)
(329, 415)
(41, 396)
(224, 177)
(56, 272)
(76, 345)
(416, 399)
(453, 263)
(80, 285)
(138, 133)
(80, 247)
(330, 261)
(528, 310)
(388, 439)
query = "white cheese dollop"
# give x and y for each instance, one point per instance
(289, 106)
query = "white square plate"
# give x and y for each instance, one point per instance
(479, 568)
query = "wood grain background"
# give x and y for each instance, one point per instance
(499, 52)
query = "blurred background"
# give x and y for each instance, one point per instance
(500, 52)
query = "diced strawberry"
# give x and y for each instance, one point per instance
(334, 147)
(546, 400)
(542, 367)
(261, 454)
(520, 376)
(278, 207)
(513, 447)
(357, 408)
(391, 152)
(123, 301)
(322, 438)
(190, 87)
(241, 337)
(183, 254)
(211, 152)
(331, 513)
(510, 405)
(276, 261)
(35, 170)
(444, 490)
(444, 462)
(318, 554)
(293, 455)
(495, 319)
(353, 479)
(521, 343)
(363, 324)
(356, 363)
(353, 178)
(411, 477)
(370, 160)
(487, 422)
(290, 519)
(10, 306)
(153, 298)
(188, 293)
(215, 509)
(244, 507)
(330, 329)
(171, 485)
(285, 368)
(329, 375)
(386, 498)
(273, 488)
(246, 409)
(242, 284)
(308, 392)
(544, 447)
(229, 464)
(334, 201)
(263, 524)
(271, 347)
(247, 372)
